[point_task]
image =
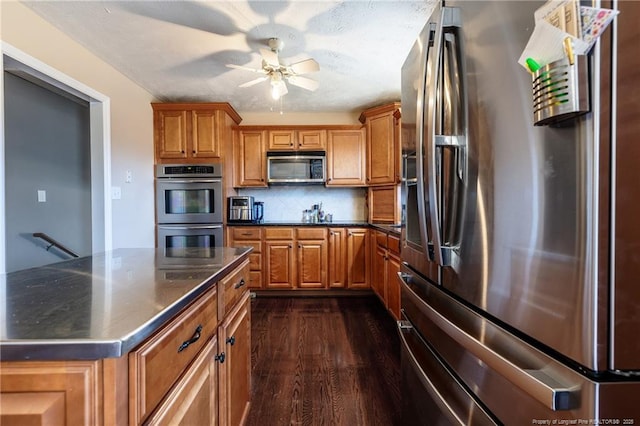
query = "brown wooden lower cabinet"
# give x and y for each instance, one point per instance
(385, 267)
(206, 383)
(309, 257)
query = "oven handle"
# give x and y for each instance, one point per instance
(166, 180)
(189, 227)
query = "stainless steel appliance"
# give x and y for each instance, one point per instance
(190, 235)
(287, 167)
(241, 208)
(519, 305)
(189, 204)
(189, 193)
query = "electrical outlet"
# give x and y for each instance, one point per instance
(129, 177)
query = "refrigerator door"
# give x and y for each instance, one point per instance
(528, 254)
(516, 382)
(415, 232)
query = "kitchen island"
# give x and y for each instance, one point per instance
(125, 337)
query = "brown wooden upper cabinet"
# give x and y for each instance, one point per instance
(382, 124)
(346, 157)
(191, 133)
(249, 153)
(297, 140)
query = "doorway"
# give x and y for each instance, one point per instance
(91, 182)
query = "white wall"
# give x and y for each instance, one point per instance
(131, 116)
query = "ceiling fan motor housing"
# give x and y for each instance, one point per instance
(275, 44)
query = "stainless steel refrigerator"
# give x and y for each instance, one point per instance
(520, 243)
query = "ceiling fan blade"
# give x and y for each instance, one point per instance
(270, 57)
(306, 66)
(240, 67)
(252, 82)
(305, 83)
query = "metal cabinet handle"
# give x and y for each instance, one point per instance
(231, 340)
(239, 284)
(193, 339)
(220, 357)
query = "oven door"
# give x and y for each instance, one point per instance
(177, 237)
(189, 200)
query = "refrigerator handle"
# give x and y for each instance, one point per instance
(430, 124)
(427, 69)
(445, 128)
(534, 381)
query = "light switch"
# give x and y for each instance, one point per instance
(42, 196)
(116, 193)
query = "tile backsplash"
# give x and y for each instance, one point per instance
(286, 203)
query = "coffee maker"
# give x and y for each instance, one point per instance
(244, 209)
(240, 209)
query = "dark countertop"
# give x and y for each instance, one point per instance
(104, 305)
(395, 229)
(292, 223)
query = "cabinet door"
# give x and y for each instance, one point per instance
(171, 134)
(393, 285)
(379, 272)
(280, 264)
(384, 204)
(313, 140)
(235, 371)
(205, 143)
(358, 258)
(251, 164)
(337, 257)
(50, 392)
(194, 399)
(282, 140)
(345, 158)
(312, 263)
(381, 150)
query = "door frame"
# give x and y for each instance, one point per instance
(100, 140)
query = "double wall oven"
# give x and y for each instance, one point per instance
(189, 205)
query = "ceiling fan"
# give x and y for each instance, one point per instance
(277, 72)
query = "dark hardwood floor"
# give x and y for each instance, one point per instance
(324, 361)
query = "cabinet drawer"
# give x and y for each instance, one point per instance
(257, 245)
(381, 239)
(278, 233)
(311, 233)
(232, 288)
(255, 262)
(194, 400)
(393, 243)
(246, 233)
(156, 365)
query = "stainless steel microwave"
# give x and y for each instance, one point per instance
(297, 168)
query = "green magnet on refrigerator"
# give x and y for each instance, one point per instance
(532, 64)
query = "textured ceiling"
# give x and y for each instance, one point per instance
(177, 50)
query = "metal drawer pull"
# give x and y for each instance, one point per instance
(220, 357)
(231, 340)
(193, 339)
(240, 284)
